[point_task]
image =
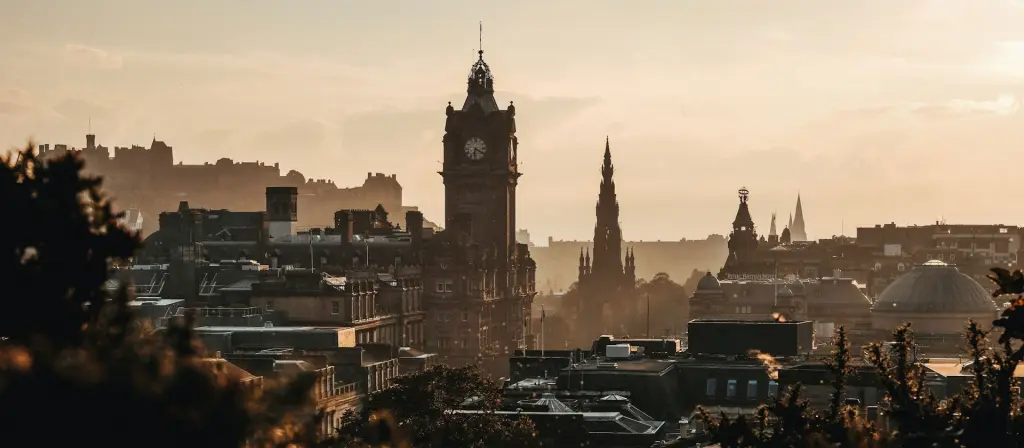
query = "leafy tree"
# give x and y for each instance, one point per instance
(669, 304)
(73, 369)
(417, 411)
(788, 420)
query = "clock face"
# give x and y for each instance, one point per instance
(475, 148)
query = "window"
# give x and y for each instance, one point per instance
(752, 389)
(270, 305)
(445, 286)
(711, 387)
(335, 307)
(465, 316)
(730, 389)
(773, 389)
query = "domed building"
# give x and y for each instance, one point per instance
(707, 301)
(936, 298)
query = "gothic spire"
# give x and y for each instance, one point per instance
(771, 230)
(607, 233)
(607, 169)
(799, 230)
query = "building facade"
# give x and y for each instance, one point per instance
(481, 281)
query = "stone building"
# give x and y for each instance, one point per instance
(481, 282)
(362, 273)
(148, 181)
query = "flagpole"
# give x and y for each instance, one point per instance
(648, 315)
(542, 315)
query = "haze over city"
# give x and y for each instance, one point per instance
(873, 110)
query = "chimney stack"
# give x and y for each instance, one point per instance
(414, 225)
(343, 224)
(282, 210)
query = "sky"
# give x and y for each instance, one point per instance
(874, 111)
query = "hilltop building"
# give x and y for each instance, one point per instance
(148, 181)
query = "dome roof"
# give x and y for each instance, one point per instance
(934, 287)
(709, 283)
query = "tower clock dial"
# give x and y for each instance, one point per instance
(475, 148)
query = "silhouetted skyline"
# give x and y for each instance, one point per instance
(874, 111)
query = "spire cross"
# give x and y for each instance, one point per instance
(481, 40)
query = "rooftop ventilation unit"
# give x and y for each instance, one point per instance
(617, 351)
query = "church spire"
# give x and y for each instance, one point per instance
(771, 230)
(799, 230)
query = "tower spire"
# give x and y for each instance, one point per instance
(480, 89)
(799, 229)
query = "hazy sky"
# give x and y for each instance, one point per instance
(875, 111)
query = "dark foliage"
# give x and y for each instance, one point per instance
(74, 371)
(417, 412)
(988, 413)
(788, 421)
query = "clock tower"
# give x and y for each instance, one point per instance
(481, 282)
(480, 170)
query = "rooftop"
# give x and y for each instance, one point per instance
(225, 329)
(642, 365)
(151, 301)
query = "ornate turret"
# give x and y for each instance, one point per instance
(630, 266)
(480, 87)
(582, 267)
(743, 239)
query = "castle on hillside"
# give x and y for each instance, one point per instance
(147, 181)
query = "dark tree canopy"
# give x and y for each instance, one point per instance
(417, 412)
(989, 413)
(74, 371)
